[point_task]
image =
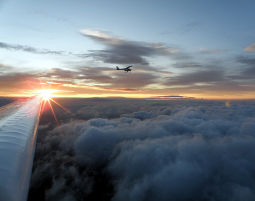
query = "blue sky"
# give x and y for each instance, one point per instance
(206, 33)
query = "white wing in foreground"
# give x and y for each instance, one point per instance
(18, 129)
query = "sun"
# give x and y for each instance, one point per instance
(46, 95)
(47, 101)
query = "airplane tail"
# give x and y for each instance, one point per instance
(117, 67)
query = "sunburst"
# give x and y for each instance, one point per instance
(47, 98)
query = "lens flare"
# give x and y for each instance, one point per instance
(47, 99)
(46, 94)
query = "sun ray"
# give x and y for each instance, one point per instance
(43, 106)
(53, 112)
(64, 108)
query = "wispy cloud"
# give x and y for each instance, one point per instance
(202, 76)
(249, 62)
(211, 51)
(29, 49)
(123, 51)
(250, 48)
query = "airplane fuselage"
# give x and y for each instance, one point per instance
(124, 69)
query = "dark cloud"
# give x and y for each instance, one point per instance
(115, 56)
(109, 77)
(188, 65)
(148, 150)
(136, 80)
(246, 60)
(202, 76)
(83, 80)
(249, 62)
(122, 51)
(98, 80)
(29, 49)
(221, 88)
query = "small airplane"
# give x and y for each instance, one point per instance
(125, 69)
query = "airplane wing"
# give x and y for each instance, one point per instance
(18, 128)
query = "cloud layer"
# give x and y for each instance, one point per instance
(184, 75)
(147, 150)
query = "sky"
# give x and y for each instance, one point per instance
(187, 49)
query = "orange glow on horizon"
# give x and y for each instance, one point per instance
(136, 96)
(85, 91)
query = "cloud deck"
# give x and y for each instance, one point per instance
(147, 150)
